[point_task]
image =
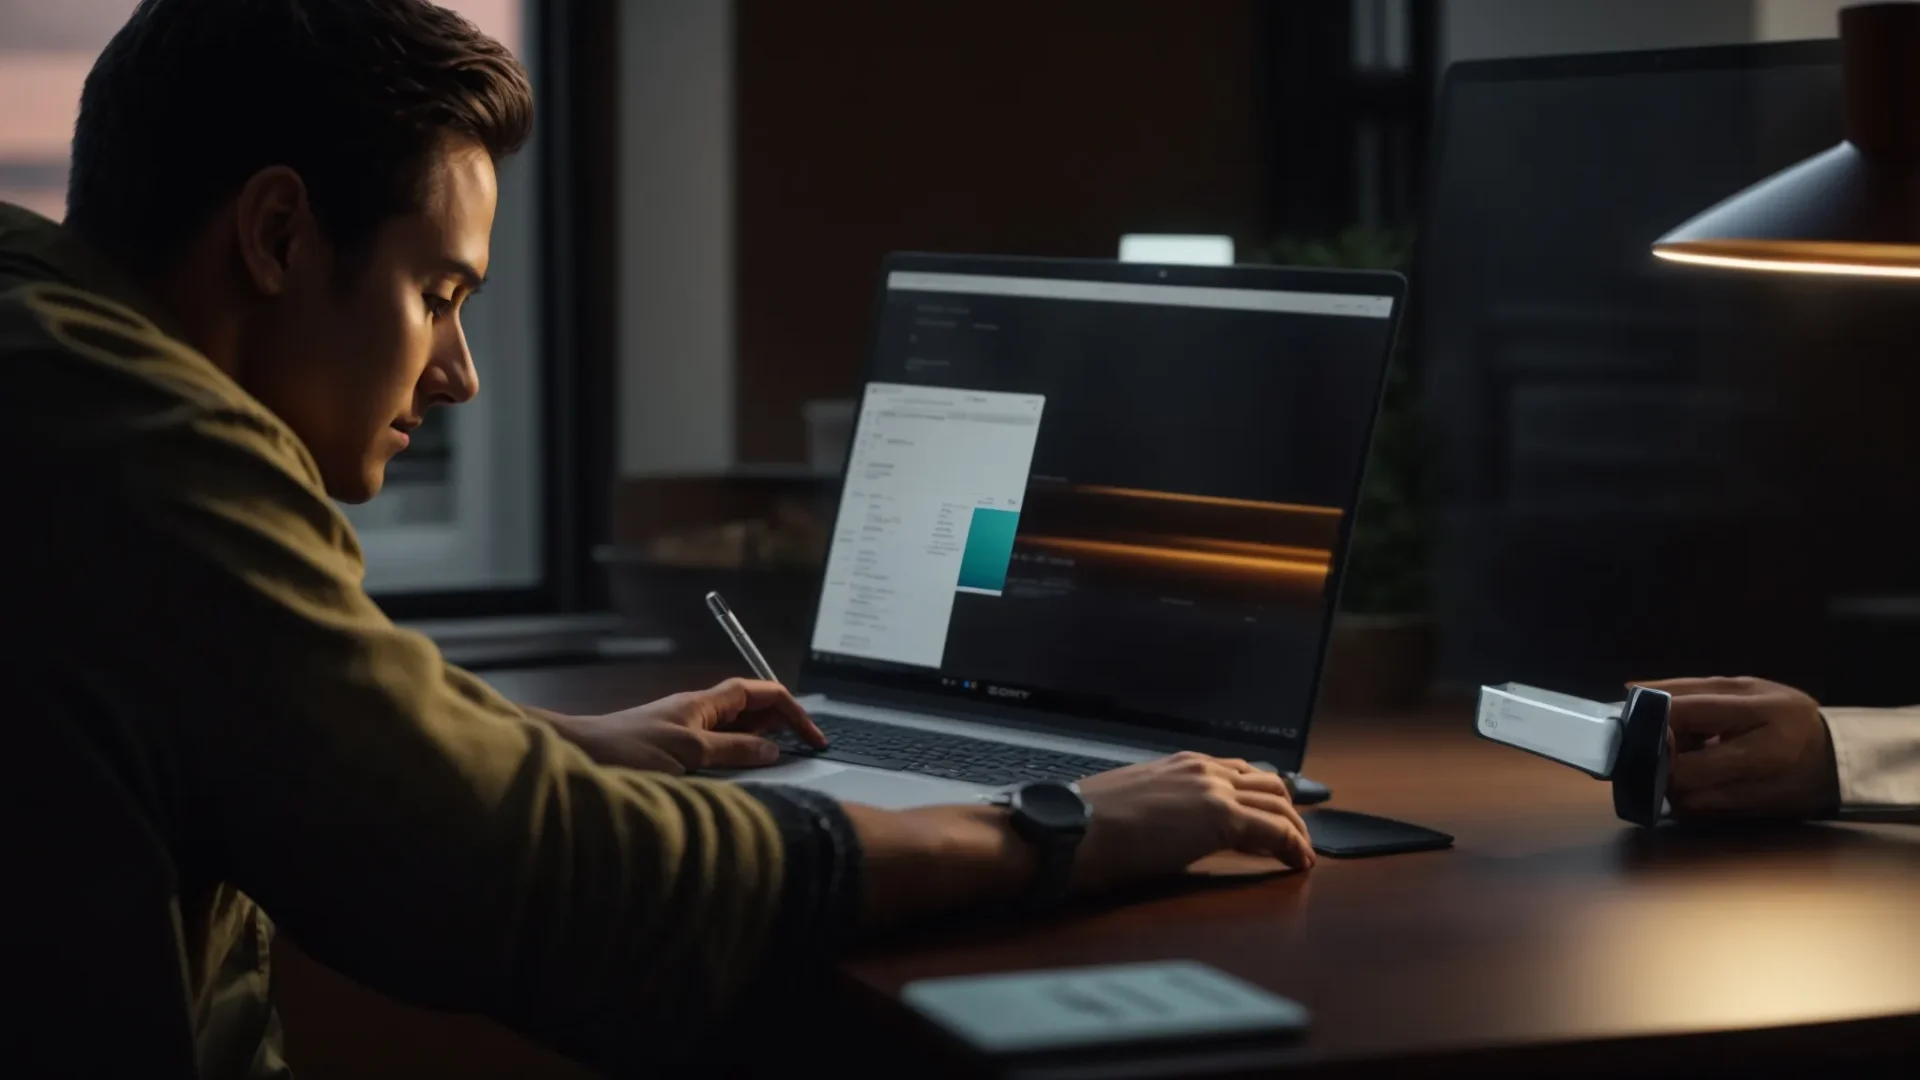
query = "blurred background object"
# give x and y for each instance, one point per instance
(757, 535)
(1169, 248)
(829, 431)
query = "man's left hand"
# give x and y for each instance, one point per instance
(720, 728)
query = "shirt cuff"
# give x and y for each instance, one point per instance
(1877, 755)
(822, 886)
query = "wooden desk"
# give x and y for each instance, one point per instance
(1552, 939)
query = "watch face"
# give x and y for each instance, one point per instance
(1053, 805)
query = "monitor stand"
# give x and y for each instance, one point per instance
(1306, 791)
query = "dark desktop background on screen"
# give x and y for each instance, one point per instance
(1645, 469)
(1184, 500)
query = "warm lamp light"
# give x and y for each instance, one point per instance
(1853, 210)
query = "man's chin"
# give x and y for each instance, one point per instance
(358, 489)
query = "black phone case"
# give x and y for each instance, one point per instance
(1344, 834)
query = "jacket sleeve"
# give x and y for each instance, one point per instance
(407, 825)
(1877, 752)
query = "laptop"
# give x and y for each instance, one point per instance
(1092, 513)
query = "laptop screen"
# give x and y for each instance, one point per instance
(1083, 489)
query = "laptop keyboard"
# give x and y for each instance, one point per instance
(934, 753)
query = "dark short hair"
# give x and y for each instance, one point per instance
(192, 97)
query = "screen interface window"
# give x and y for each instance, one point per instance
(1111, 499)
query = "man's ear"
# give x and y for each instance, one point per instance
(273, 221)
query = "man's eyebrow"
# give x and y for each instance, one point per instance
(475, 280)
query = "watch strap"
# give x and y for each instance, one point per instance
(1048, 892)
(1054, 851)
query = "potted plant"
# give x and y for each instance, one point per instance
(1382, 652)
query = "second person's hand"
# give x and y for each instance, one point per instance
(1748, 747)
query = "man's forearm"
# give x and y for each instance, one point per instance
(916, 863)
(940, 859)
(921, 862)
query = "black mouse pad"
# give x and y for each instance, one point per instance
(1344, 834)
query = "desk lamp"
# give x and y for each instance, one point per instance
(1853, 210)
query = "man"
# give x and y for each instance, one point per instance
(276, 211)
(1749, 747)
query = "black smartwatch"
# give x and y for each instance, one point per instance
(1052, 816)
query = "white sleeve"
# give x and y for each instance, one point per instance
(1877, 752)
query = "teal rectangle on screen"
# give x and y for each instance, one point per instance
(989, 550)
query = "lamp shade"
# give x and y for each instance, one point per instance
(1853, 209)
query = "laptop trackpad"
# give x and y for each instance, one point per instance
(892, 790)
(869, 787)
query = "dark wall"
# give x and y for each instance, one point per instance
(993, 126)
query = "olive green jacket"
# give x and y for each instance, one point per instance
(211, 723)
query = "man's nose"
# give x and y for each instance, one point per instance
(453, 378)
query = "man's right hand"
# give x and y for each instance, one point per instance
(1157, 817)
(1149, 820)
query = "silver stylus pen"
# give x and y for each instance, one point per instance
(724, 616)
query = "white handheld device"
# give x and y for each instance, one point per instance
(1625, 742)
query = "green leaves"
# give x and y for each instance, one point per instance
(1357, 248)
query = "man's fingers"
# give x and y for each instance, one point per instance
(758, 705)
(1252, 779)
(737, 697)
(1263, 832)
(1734, 761)
(1726, 715)
(1273, 804)
(1244, 774)
(737, 750)
(1717, 684)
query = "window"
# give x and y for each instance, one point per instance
(464, 507)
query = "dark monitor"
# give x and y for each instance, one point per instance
(1643, 469)
(1103, 493)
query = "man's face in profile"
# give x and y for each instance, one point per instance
(360, 344)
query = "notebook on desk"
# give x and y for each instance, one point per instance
(1091, 513)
